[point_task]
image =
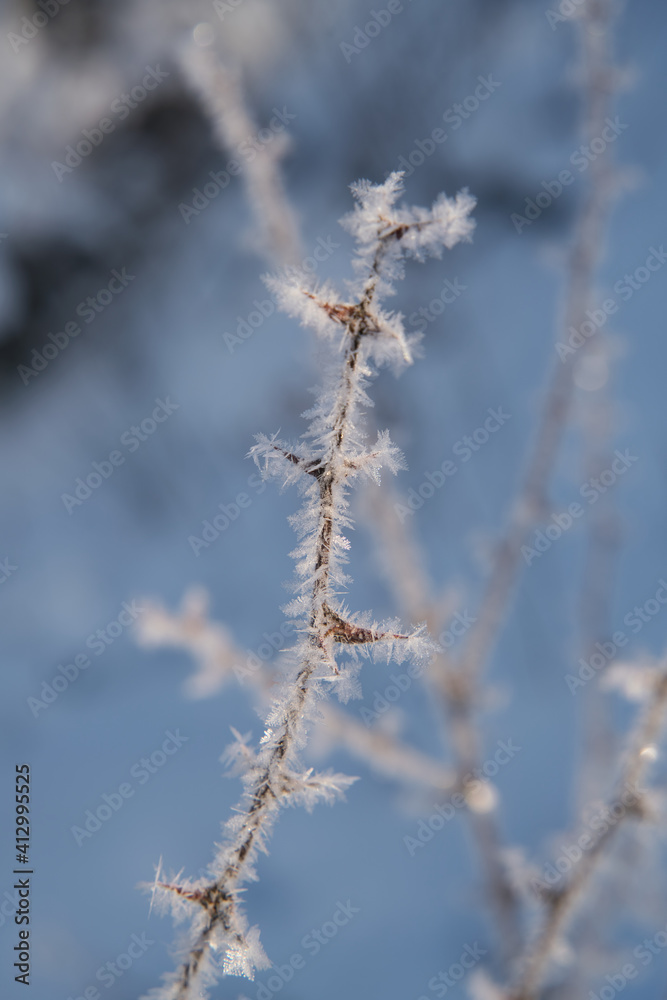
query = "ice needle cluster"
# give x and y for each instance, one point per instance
(362, 335)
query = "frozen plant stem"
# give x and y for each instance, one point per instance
(457, 680)
(211, 646)
(531, 504)
(460, 683)
(329, 456)
(561, 904)
(219, 89)
(604, 532)
(400, 556)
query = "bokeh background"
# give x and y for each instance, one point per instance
(164, 336)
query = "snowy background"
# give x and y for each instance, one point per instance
(164, 336)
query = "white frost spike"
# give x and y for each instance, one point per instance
(315, 306)
(243, 958)
(426, 232)
(238, 756)
(324, 786)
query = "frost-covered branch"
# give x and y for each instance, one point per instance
(603, 529)
(599, 741)
(460, 682)
(649, 685)
(210, 644)
(400, 557)
(600, 77)
(457, 679)
(329, 457)
(219, 89)
(219, 659)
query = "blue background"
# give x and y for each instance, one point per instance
(164, 336)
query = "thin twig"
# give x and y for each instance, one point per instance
(562, 904)
(585, 255)
(219, 89)
(403, 567)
